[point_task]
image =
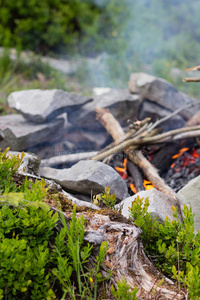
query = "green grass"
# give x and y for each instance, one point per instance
(18, 75)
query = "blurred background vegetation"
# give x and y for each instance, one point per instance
(155, 36)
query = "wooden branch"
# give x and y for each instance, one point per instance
(160, 138)
(192, 79)
(193, 68)
(194, 120)
(69, 158)
(137, 157)
(107, 120)
(169, 116)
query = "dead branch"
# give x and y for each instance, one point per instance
(192, 79)
(193, 68)
(69, 158)
(192, 131)
(169, 116)
(194, 120)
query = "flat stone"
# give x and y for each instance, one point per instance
(19, 134)
(189, 195)
(161, 92)
(121, 103)
(88, 178)
(41, 105)
(159, 204)
(31, 162)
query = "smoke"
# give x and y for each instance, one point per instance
(151, 36)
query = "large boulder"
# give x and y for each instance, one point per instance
(121, 103)
(19, 134)
(41, 105)
(162, 93)
(88, 178)
(159, 204)
(189, 195)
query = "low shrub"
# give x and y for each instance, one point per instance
(36, 261)
(174, 245)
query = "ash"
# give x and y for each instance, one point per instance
(184, 168)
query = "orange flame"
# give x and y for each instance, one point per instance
(133, 188)
(186, 160)
(122, 171)
(147, 185)
(180, 152)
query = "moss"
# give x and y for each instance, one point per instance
(113, 215)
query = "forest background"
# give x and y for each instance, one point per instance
(153, 36)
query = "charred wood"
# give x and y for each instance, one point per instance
(136, 175)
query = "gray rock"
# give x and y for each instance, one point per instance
(1, 135)
(31, 162)
(42, 105)
(161, 92)
(189, 195)
(79, 202)
(19, 134)
(121, 103)
(156, 112)
(88, 178)
(159, 204)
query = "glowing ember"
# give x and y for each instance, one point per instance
(180, 152)
(186, 160)
(133, 188)
(123, 171)
(147, 185)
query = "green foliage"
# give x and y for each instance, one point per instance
(65, 26)
(24, 256)
(40, 191)
(33, 258)
(72, 256)
(8, 167)
(107, 199)
(175, 244)
(123, 291)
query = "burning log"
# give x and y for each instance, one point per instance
(135, 156)
(136, 175)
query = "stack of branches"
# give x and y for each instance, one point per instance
(140, 133)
